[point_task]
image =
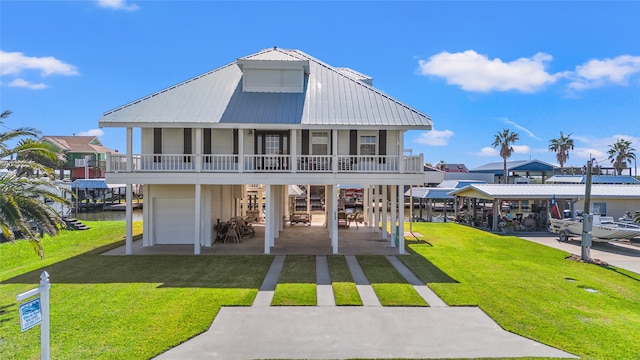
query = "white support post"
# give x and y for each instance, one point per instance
(128, 248)
(198, 153)
(365, 204)
(411, 210)
(400, 233)
(376, 208)
(395, 207)
(267, 221)
(198, 218)
(334, 214)
(383, 211)
(334, 151)
(294, 152)
(401, 152)
(129, 149)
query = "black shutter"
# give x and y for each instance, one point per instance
(235, 144)
(157, 143)
(207, 141)
(187, 148)
(305, 142)
(382, 146)
(353, 144)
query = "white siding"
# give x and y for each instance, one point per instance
(222, 142)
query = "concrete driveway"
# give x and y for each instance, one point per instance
(621, 254)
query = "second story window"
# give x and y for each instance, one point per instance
(319, 143)
(367, 145)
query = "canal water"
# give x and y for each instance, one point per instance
(107, 215)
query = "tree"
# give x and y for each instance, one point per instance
(22, 211)
(561, 146)
(504, 139)
(620, 154)
(636, 217)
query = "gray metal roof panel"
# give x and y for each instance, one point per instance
(331, 98)
(531, 191)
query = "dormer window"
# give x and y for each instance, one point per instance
(277, 76)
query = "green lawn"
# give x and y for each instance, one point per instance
(118, 307)
(135, 307)
(525, 288)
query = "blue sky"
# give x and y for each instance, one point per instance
(537, 68)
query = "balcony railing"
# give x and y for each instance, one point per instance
(412, 164)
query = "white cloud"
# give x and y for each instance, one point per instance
(118, 5)
(92, 132)
(596, 73)
(26, 84)
(520, 127)
(476, 72)
(521, 149)
(488, 151)
(13, 63)
(435, 138)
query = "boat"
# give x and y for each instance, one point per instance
(604, 228)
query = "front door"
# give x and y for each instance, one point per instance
(273, 146)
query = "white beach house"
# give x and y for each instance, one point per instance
(278, 117)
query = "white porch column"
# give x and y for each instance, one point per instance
(395, 207)
(198, 154)
(129, 215)
(376, 208)
(245, 202)
(267, 221)
(294, 152)
(365, 205)
(401, 219)
(383, 212)
(334, 151)
(309, 199)
(240, 150)
(334, 217)
(129, 149)
(411, 210)
(401, 152)
(198, 230)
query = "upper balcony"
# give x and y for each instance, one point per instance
(191, 163)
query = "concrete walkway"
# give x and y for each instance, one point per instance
(327, 331)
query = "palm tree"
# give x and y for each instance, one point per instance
(636, 217)
(504, 139)
(561, 146)
(620, 154)
(22, 213)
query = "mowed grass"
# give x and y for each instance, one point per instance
(344, 288)
(297, 282)
(525, 288)
(391, 288)
(118, 307)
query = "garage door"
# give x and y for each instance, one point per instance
(174, 220)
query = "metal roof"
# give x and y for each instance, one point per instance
(458, 184)
(547, 191)
(595, 179)
(517, 165)
(332, 97)
(94, 184)
(430, 193)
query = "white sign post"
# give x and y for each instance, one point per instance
(36, 312)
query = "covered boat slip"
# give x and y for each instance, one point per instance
(189, 215)
(606, 200)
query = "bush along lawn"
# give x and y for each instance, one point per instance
(297, 282)
(118, 307)
(344, 288)
(532, 290)
(391, 288)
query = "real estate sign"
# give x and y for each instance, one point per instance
(30, 314)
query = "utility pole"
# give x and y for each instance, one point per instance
(587, 217)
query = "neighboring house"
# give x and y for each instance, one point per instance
(278, 117)
(77, 149)
(519, 171)
(453, 168)
(595, 179)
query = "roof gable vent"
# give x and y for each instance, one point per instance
(274, 76)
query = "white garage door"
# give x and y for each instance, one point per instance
(174, 220)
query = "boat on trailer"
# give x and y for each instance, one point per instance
(604, 229)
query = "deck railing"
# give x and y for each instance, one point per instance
(229, 163)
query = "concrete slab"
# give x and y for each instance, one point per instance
(265, 294)
(324, 290)
(367, 295)
(625, 255)
(356, 332)
(423, 290)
